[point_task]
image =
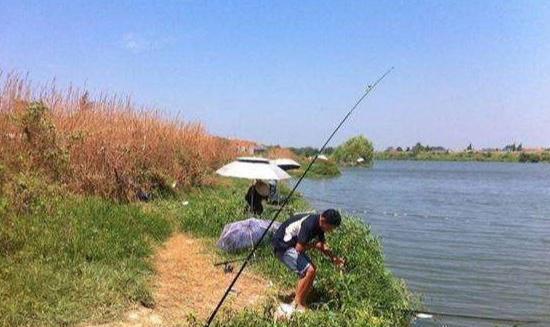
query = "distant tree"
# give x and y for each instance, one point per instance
(329, 150)
(510, 148)
(470, 147)
(408, 149)
(399, 149)
(520, 147)
(305, 151)
(418, 147)
(353, 149)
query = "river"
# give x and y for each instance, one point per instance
(469, 238)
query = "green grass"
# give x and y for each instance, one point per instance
(85, 260)
(67, 260)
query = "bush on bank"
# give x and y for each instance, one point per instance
(320, 169)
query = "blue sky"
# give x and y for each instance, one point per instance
(284, 72)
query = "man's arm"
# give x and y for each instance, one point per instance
(301, 247)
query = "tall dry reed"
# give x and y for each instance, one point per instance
(279, 152)
(103, 145)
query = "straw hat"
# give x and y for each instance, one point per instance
(262, 188)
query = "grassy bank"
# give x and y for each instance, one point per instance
(72, 259)
(69, 259)
(496, 156)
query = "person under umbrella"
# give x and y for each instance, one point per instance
(256, 169)
(256, 193)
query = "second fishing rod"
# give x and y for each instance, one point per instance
(369, 89)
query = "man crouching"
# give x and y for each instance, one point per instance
(293, 238)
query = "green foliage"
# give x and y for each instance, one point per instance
(320, 169)
(44, 146)
(305, 151)
(309, 151)
(529, 157)
(85, 259)
(353, 149)
(28, 193)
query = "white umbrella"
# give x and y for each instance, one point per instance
(286, 164)
(253, 168)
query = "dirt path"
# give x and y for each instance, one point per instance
(188, 283)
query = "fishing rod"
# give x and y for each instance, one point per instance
(229, 261)
(369, 89)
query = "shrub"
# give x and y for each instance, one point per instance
(320, 169)
(529, 157)
(353, 149)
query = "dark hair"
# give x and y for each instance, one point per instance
(332, 217)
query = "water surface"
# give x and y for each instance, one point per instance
(470, 238)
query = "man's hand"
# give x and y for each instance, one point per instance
(322, 246)
(339, 262)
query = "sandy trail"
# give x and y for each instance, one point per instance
(188, 283)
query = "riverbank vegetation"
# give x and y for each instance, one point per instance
(76, 244)
(322, 168)
(103, 146)
(356, 151)
(510, 153)
(366, 294)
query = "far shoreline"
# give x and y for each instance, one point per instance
(500, 156)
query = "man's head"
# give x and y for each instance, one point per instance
(330, 219)
(262, 188)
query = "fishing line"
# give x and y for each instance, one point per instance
(369, 89)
